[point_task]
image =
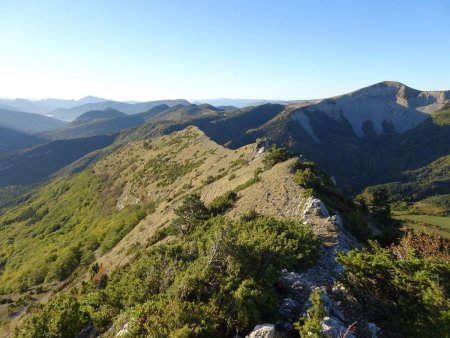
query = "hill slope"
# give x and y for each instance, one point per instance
(128, 108)
(38, 163)
(424, 191)
(329, 138)
(14, 140)
(28, 122)
(128, 199)
(413, 185)
(179, 224)
(109, 121)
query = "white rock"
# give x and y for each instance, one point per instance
(123, 330)
(315, 206)
(262, 331)
(333, 327)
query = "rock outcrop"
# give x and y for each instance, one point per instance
(263, 331)
(322, 275)
(383, 103)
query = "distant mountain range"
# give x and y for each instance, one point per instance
(108, 121)
(101, 122)
(369, 136)
(46, 105)
(241, 103)
(68, 110)
(366, 137)
(17, 129)
(28, 122)
(69, 114)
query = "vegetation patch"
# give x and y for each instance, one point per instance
(311, 324)
(218, 279)
(317, 183)
(415, 185)
(403, 289)
(432, 224)
(222, 203)
(276, 155)
(58, 230)
(165, 170)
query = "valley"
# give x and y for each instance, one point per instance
(434, 224)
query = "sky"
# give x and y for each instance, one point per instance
(198, 49)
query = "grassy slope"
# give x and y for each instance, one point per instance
(438, 205)
(80, 211)
(38, 163)
(414, 185)
(36, 236)
(355, 162)
(67, 223)
(426, 223)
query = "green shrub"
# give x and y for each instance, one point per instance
(218, 279)
(209, 179)
(191, 212)
(246, 184)
(61, 317)
(317, 183)
(222, 203)
(408, 296)
(65, 264)
(311, 325)
(162, 233)
(276, 155)
(120, 229)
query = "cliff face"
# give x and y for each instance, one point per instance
(384, 103)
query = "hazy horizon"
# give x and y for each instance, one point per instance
(207, 99)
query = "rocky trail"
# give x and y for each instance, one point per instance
(278, 194)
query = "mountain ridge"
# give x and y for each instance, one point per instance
(385, 102)
(111, 213)
(28, 122)
(127, 108)
(43, 106)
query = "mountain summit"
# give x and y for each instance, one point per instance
(377, 107)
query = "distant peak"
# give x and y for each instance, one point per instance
(90, 97)
(208, 106)
(391, 84)
(386, 88)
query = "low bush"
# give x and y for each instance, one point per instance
(222, 203)
(317, 183)
(217, 280)
(407, 295)
(276, 155)
(311, 324)
(63, 316)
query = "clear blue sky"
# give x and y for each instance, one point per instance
(142, 50)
